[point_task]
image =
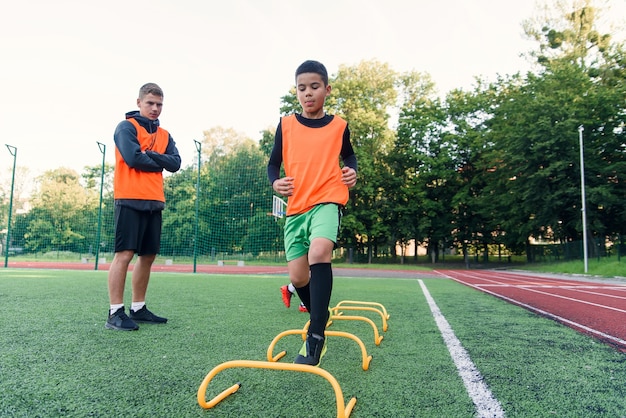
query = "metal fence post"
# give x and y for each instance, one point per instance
(195, 238)
(102, 148)
(13, 152)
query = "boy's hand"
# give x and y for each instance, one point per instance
(283, 186)
(348, 176)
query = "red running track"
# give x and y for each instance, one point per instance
(596, 309)
(174, 268)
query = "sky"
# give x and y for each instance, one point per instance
(71, 69)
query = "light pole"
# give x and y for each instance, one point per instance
(582, 195)
(13, 152)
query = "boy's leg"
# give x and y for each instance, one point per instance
(321, 225)
(287, 292)
(321, 288)
(299, 276)
(320, 254)
(320, 284)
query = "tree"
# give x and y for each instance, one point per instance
(92, 177)
(179, 217)
(567, 31)
(22, 183)
(581, 83)
(234, 201)
(418, 164)
(219, 141)
(364, 95)
(62, 214)
(241, 194)
(267, 142)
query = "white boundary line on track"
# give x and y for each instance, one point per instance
(486, 405)
(533, 288)
(545, 313)
(580, 287)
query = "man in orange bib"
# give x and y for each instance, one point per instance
(142, 151)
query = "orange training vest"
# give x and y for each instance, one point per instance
(311, 157)
(130, 183)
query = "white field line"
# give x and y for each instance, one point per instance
(486, 405)
(546, 314)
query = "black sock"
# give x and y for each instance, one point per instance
(321, 285)
(304, 294)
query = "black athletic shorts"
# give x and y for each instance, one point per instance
(137, 230)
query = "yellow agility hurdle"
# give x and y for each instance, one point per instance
(342, 411)
(361, 303)
(361, 308)
(270, 350)
(377, 337)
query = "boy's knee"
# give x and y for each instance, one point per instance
(299, 279)
(321, 253)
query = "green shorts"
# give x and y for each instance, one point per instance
(320, 222)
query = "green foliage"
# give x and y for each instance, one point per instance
(232, 206)
(62, 217)
(597, 267)
(495, 166)
(570, 35)
(363, 95)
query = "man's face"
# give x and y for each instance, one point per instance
(150, 106)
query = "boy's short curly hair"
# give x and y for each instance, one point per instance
(150, 88)
(311, 66)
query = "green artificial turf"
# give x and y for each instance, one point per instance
(535, 367)
(58, 360)
(596, 267)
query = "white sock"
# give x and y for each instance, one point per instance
(291, 288)
(115, 307)
(137, 305)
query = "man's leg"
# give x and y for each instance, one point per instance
(117, 276)
(141, 277)
(117, 318)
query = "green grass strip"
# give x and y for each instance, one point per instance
(534, 366)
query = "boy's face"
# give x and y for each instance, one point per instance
(311, 93)
(150, 106)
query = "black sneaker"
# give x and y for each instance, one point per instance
(144, 315)
(312, 350)
(120, 321)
